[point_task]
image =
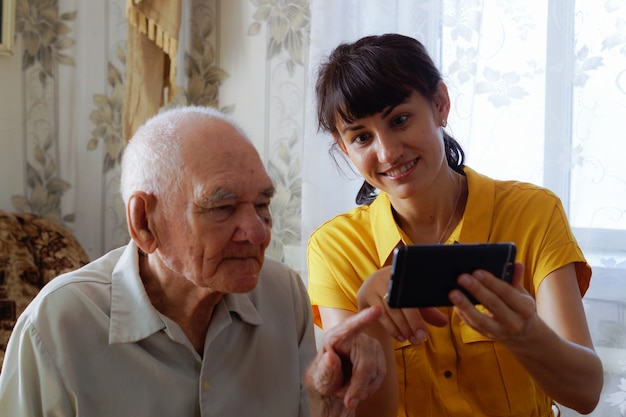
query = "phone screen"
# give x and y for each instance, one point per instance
(424, 275)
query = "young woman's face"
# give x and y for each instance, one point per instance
(399, 150)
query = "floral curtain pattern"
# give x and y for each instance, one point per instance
(47, 35)
(287, 24)
(48, 32)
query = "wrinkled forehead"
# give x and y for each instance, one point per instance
(233, 183)
(221, 159)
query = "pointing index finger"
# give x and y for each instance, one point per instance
(353, 325)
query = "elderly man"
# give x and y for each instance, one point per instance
(190, 318)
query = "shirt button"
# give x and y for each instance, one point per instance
(205, 385)
(447, 374)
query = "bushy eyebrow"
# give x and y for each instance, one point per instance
(269, 192)
(221, 194)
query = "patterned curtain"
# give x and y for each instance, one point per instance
(74, 56)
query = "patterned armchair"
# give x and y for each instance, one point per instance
(33, 250)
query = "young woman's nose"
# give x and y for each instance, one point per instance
(388, 149)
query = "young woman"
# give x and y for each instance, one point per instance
(526, 347)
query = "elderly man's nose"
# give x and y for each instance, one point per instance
(254, 226)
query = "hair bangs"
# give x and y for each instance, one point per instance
(360, 91)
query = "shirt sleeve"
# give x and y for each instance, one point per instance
(331, 283)
(307, 343)
(30, 385)
(560, 248)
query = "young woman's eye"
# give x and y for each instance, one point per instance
(399, 121)
(362, 138)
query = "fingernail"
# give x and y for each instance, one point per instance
(464, 280)
(421, 336)
(455, 297)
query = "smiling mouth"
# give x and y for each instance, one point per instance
(401, 170)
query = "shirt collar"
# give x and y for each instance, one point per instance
(387, 234)
(476, 223)
(133, 317)
(479, 209)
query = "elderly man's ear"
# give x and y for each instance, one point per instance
(139, 209)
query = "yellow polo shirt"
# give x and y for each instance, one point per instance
(456, 371)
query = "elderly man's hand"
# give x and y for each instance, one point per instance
(349, 367)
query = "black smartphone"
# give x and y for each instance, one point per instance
(424, 275)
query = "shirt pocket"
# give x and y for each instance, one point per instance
(495, 378)
(415, 386)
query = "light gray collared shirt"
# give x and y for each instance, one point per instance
(91, 344)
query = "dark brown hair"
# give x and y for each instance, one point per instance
(363, 78)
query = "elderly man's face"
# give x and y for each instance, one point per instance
(220, 225)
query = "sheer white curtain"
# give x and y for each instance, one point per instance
(326, 190)
(539, 94)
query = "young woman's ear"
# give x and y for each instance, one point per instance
(441, 101)
(139, 209)
(340, 143)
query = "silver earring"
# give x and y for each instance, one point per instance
(444, 123)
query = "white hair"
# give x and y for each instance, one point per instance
(151, 160)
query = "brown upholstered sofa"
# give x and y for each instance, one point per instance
(33, 250)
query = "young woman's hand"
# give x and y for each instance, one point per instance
(511, 310)
(548, 334)
(402, 324)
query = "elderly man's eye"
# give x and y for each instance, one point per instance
(263, 208)
(264, 212)
(220, 212)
